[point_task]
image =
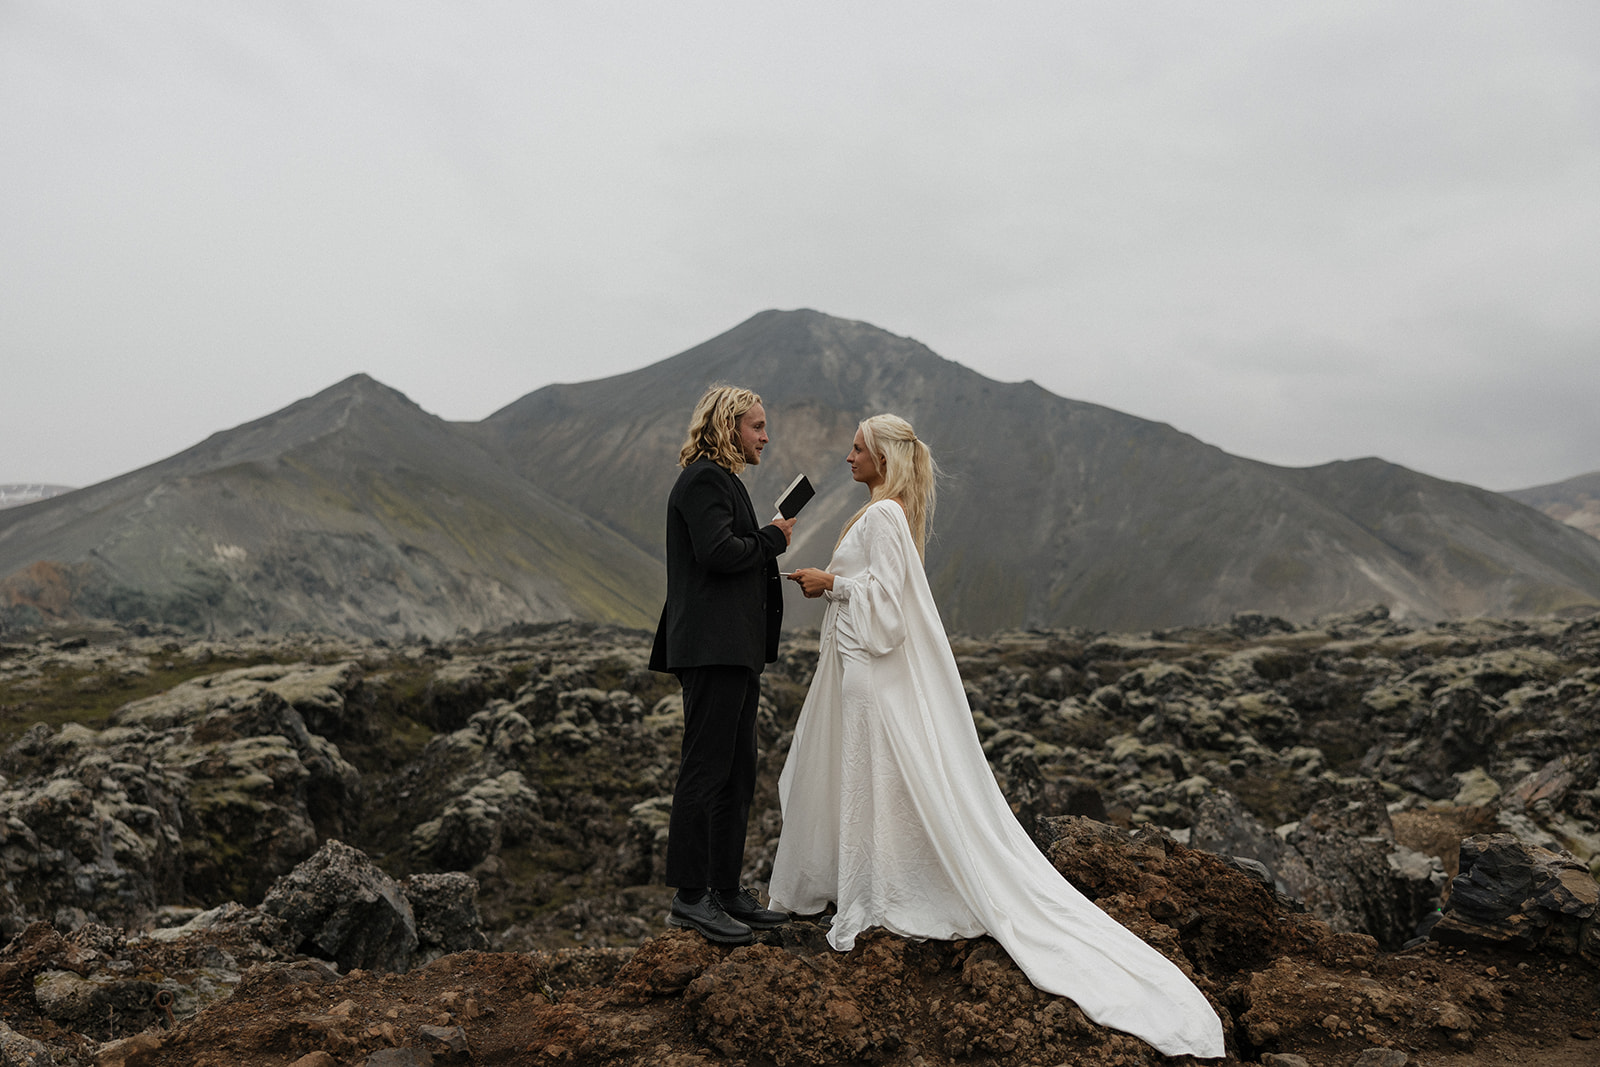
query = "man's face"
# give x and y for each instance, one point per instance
(751, 430)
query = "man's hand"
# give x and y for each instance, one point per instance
(787, 526)
(811, 581)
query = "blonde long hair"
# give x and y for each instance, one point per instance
(908, 470)
(714, 427)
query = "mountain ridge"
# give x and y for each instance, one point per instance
(1574, 501)
(16, 494)
(351, 510)
(354, 509)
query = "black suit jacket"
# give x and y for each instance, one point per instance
(724, 597)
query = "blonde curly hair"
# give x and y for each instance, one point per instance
(714, 427)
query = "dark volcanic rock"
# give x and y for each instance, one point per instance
(445, 908)
(19, 1051)
(1359, 883)
(1222, 825)
(1513, 893)
(342, 907)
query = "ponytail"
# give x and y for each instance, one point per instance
(909, 474)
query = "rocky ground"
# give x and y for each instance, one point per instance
(315, 851)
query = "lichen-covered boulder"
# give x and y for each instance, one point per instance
(316, 691)
(208, 790)
(642, 858)
(93, 1004)
(477, 823)
(94, 835)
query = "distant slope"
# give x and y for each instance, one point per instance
(353, 511)
(12, 496)
(1575, 501)
(1053, 511)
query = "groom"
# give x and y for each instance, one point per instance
(719, 628)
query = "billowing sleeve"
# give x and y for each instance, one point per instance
(874, 600)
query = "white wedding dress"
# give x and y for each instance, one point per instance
(890, 811)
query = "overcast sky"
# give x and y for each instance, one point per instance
(1301, 232)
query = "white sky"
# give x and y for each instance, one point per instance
(1301, 232)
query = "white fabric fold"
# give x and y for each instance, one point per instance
(890, 810)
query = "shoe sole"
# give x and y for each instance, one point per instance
(761, 925)
(673, 920)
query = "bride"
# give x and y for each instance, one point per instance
(890, 811)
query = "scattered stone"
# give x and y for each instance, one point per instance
(19, 1051)
(1382, 1057)
(127, 1050)
(400, 1057)
(343, 908)
(451, 1040)
(92, 1005)
(315, 1059)
(445, 910)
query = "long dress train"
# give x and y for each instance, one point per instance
(890, 811)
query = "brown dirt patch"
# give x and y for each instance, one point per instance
(1439, 833)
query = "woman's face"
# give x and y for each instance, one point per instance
(863, 465)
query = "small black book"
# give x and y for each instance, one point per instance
(795, 497)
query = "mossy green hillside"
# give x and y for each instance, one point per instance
(72, 691)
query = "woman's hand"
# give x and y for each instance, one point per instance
(812, 582)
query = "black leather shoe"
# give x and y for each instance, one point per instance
(708, 917)
(742, 905)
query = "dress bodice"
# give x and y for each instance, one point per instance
(870, 568)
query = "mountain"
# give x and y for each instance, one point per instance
(1575, 501)
(1053, 512)
(353, 511)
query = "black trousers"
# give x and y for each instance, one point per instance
(716, 779)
